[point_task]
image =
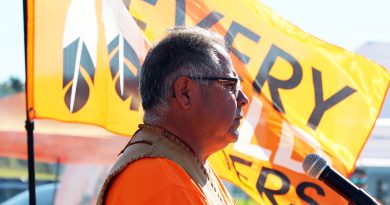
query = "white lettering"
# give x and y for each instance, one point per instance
(247, 131)
(286, 147)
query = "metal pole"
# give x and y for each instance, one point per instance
(31, 166)
(29, 123)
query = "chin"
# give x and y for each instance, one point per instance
(230, 137)
(233, 136)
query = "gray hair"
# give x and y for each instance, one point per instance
(184, 51)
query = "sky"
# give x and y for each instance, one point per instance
(346, 23)
(11, 39)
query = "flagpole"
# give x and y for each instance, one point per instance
(29, 123)
(31, 168)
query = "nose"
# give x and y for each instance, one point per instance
(242, 99)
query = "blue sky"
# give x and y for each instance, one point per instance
(346, 23)
(11, 39)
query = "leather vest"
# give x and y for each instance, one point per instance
(151, 142)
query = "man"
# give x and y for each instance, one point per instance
(192, 100)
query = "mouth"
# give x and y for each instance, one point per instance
(239, 114)
(237, 121)
(239, 117)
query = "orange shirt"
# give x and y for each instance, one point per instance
(156, 181)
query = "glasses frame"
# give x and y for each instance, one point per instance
(237, 87)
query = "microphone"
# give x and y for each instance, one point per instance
(317, 167)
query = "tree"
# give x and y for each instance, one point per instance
(11, 86)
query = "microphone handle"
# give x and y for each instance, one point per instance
(345, 188)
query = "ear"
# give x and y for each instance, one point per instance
(183, 89)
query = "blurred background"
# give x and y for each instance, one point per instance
(65, 174)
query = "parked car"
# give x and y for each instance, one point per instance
(45, 195)
(9, 187)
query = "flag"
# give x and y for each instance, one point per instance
(305, 95)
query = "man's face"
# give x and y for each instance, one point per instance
(223, 105)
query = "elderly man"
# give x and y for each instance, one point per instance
(192, 100)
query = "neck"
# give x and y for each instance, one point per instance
(187, 136)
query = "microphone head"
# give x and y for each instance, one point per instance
(314, 165)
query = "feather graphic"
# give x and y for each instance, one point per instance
(80, 41)
(126, 46)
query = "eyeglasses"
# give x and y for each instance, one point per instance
(234, 82)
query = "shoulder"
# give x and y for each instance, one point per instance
(153, 179)
(156, 170)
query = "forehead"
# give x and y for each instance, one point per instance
(227, 65)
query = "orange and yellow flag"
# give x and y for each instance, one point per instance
(305, 95)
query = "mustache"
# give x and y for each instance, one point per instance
(239, 114)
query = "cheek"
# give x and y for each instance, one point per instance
(230, 108)
(223, 106)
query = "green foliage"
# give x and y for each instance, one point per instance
(245, 201)
(17, 168)
(239, 196)
(11, 86)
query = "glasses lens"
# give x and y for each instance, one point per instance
(237, 88)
